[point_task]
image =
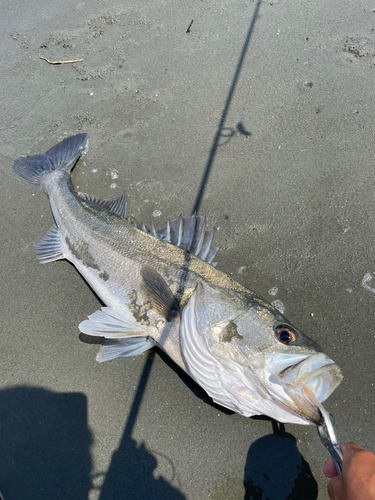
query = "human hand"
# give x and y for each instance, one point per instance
(357, 481)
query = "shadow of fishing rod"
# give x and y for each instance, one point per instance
(132, 417)
(224, 114)
(148, 364)
(218, 135)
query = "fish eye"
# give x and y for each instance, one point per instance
(285, 335)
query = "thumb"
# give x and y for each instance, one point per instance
(329, 468)
(347, 449)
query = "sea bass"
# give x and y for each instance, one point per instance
(161, 290)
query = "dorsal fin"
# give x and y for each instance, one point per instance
(116, 205)
(188, 233)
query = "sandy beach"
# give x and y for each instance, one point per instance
(259, 116)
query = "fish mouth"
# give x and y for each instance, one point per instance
(317, 374)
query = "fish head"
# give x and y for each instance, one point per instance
(254, 341)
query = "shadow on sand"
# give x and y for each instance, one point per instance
(275, 469)
(44, 445)
(45, 454)
(130, 474)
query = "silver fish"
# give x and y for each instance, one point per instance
(161, 290)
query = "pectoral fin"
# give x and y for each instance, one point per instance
(155, 290)
(124, 337)
(107, 323)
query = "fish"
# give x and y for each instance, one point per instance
(161, 288)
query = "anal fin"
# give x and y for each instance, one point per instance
(48, 249)
(123, 348)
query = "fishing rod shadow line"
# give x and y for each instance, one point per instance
(131, 471)
(131, 420)
(222, 132)
(224, 114)
(130, 424)
(276, 469)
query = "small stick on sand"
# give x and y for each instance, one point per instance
(188, 30)
(60, 62)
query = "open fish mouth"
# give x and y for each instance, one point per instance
(316, 373)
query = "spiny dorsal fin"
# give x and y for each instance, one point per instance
(116, 205)
(155, 289)
(188, 233)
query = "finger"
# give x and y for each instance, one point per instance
(329, 468)
(349, 448)
(335, 489)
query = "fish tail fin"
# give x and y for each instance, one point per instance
(62, 156)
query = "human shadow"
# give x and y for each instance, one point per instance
(276, 470)
(45, 452)
(44, 445)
